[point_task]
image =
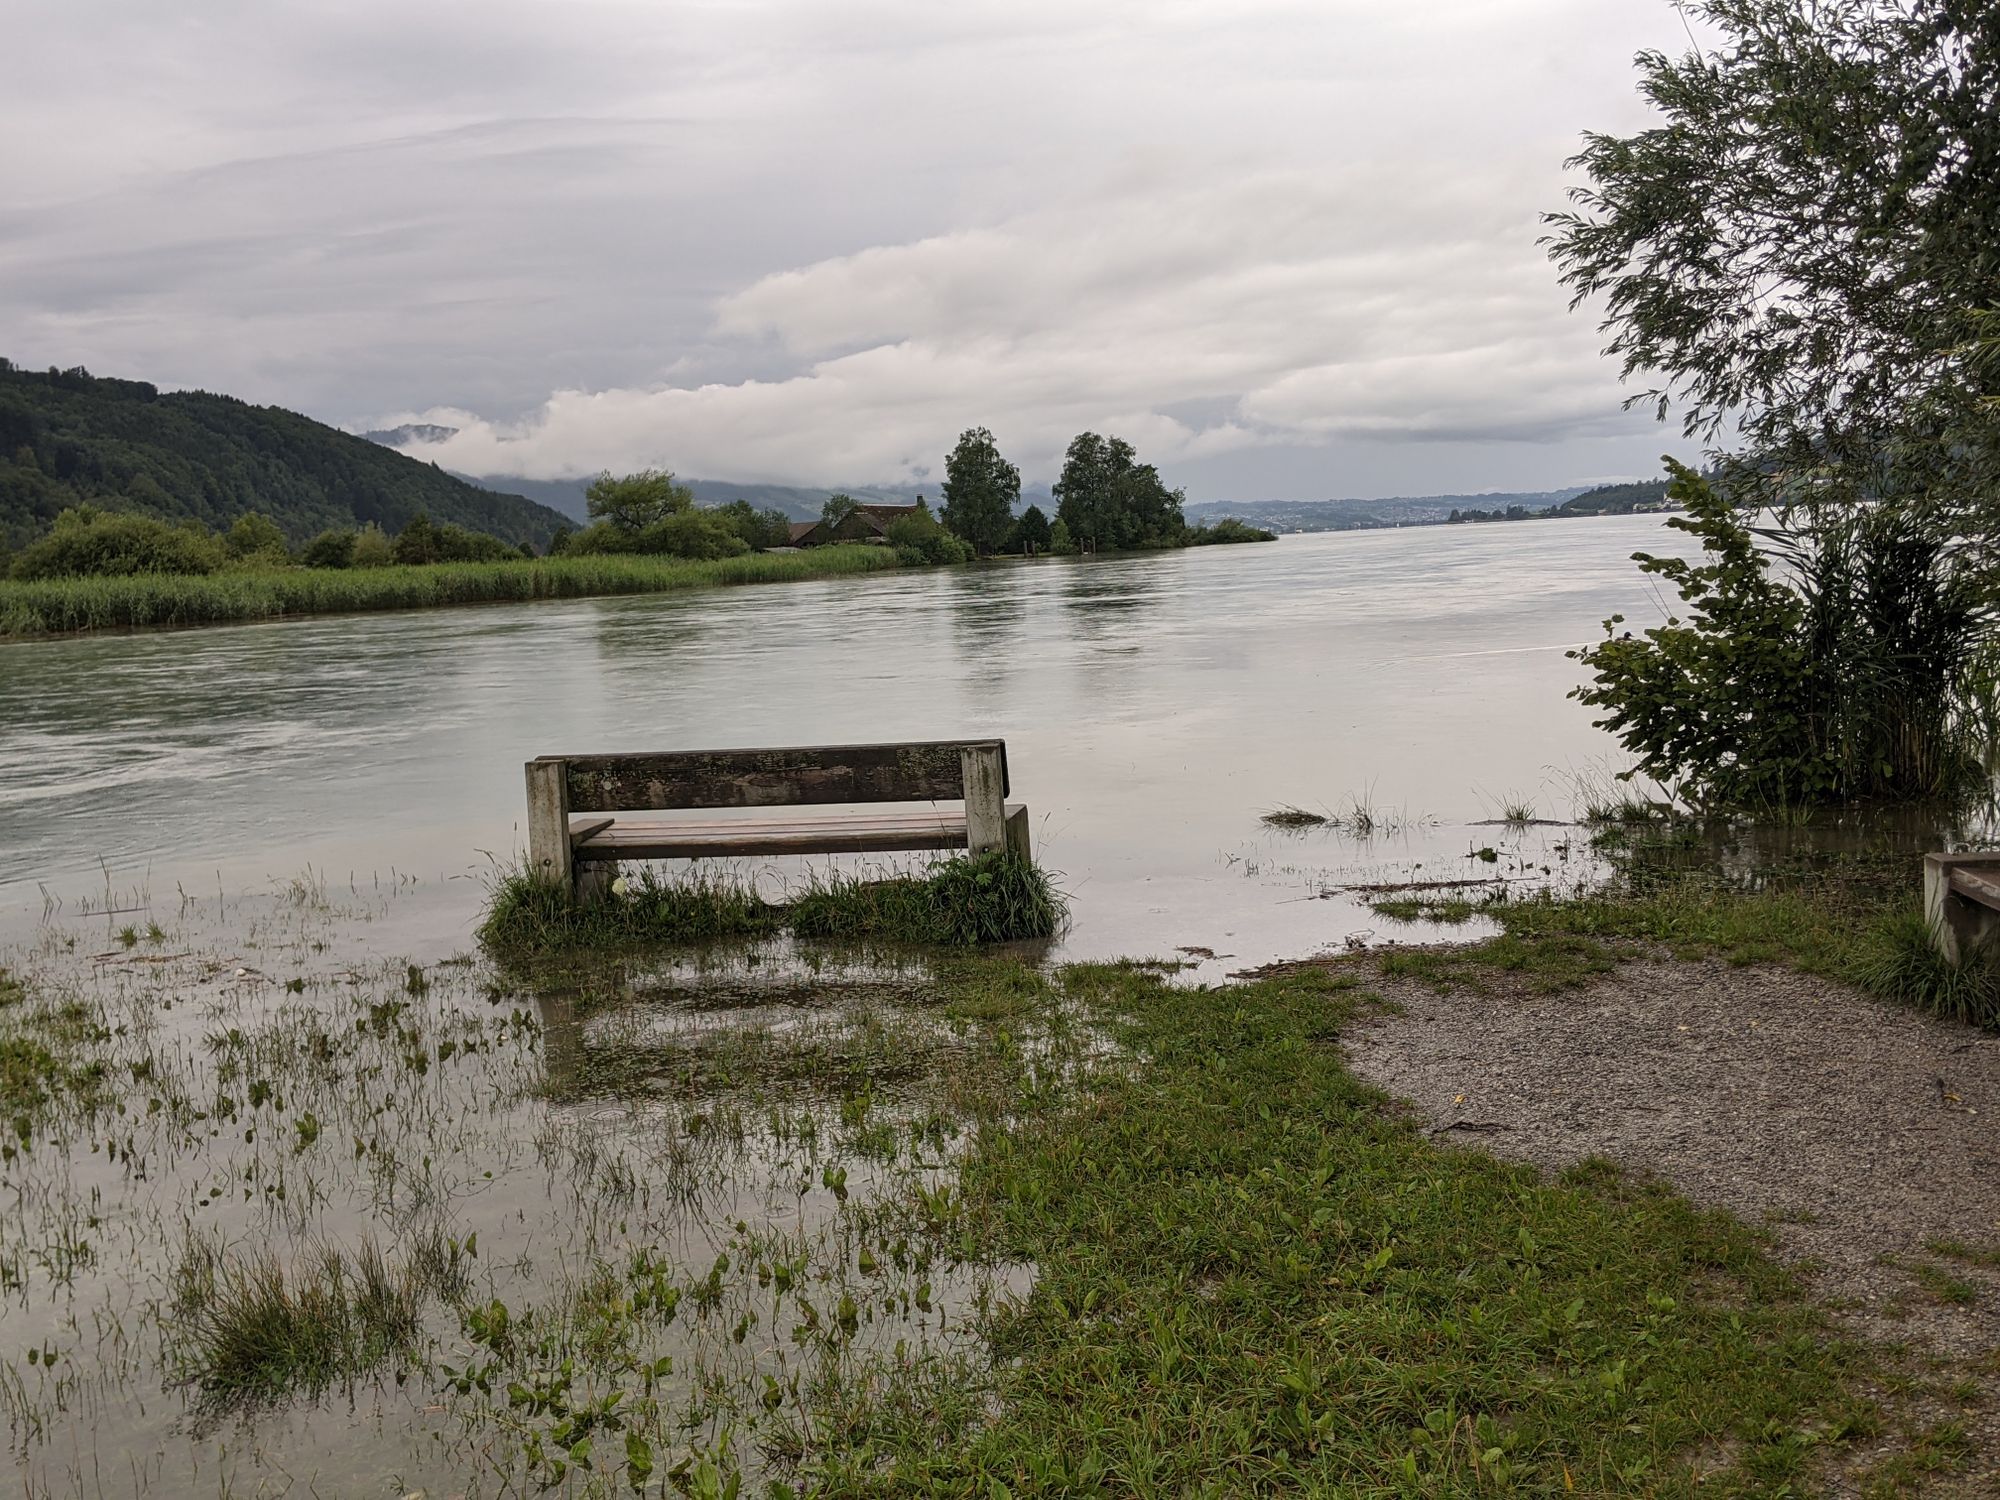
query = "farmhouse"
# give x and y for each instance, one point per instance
(866, 523)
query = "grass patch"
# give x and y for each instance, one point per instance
(1847, 917)
(529, 915)
(1901, 962)
(958, 902)
(1451, 911)
(69, 605)
(1251, 1280)
(253, 1330)
(46, 1061)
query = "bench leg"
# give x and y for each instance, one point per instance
(1017, 835)
(548, 823)
(593, 879)
(1959, 928)
(985, 800)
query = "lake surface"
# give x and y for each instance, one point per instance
(1154, 707)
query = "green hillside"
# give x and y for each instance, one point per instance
(69, 436)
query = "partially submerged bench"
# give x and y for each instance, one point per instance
(587, 812)
(1961, 901)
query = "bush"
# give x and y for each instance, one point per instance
(372, 548)
(758, 529)
(255, 536)
(1226, 531)
(697, 534)
(89, 543)
(920, 540)
(1061, 543)
(1863, 670)
(330, 549)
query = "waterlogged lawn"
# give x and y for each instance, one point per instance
(286, 1213)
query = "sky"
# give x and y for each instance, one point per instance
(1287, 249)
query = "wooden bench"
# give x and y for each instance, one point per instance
(586, 812)
(1961, 901)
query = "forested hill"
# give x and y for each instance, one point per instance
(69, 436)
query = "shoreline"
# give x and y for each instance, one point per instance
(58, 608)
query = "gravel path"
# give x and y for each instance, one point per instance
(1861, 1132)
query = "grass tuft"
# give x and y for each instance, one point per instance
(1902, 963)
(252, 1330)
(525, 914)
(958, 902)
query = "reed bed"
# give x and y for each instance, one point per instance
(69, 606)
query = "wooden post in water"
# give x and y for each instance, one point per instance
(548, 823)
(985, 798)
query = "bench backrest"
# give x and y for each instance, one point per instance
(788, 776)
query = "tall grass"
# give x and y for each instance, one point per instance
(958, 902)
(70, 605)
(256, 1329)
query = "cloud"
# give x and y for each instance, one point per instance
(780, 239)
(1280, 295)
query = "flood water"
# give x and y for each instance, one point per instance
(1153, 707)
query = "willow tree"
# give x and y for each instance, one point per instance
(1795, 256)
(1800, 257)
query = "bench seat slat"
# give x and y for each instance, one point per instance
(709, 838)
(1977, 886)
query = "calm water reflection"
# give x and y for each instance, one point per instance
(1153, 707)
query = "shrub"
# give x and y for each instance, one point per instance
(919, 539)
(757, 529)
(330, 549)
(255, 536)
(1862, 669)
(1226, 531)
(372, 548)
(1060, 541)
(89, 543)
(696, 534)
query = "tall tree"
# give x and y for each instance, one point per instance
(1801, 247)
(637, 500)
(980, 491)
(1107, 498)
(1032, 531)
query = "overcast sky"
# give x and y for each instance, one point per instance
(1288, 249)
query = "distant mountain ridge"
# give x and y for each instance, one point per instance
(69, 437)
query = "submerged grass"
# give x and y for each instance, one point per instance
(69, 605)
(249, 1330)
(529, 915)
(957, 902)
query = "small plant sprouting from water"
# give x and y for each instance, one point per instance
(254, 1329)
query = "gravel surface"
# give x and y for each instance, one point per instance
(1860, 1132)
